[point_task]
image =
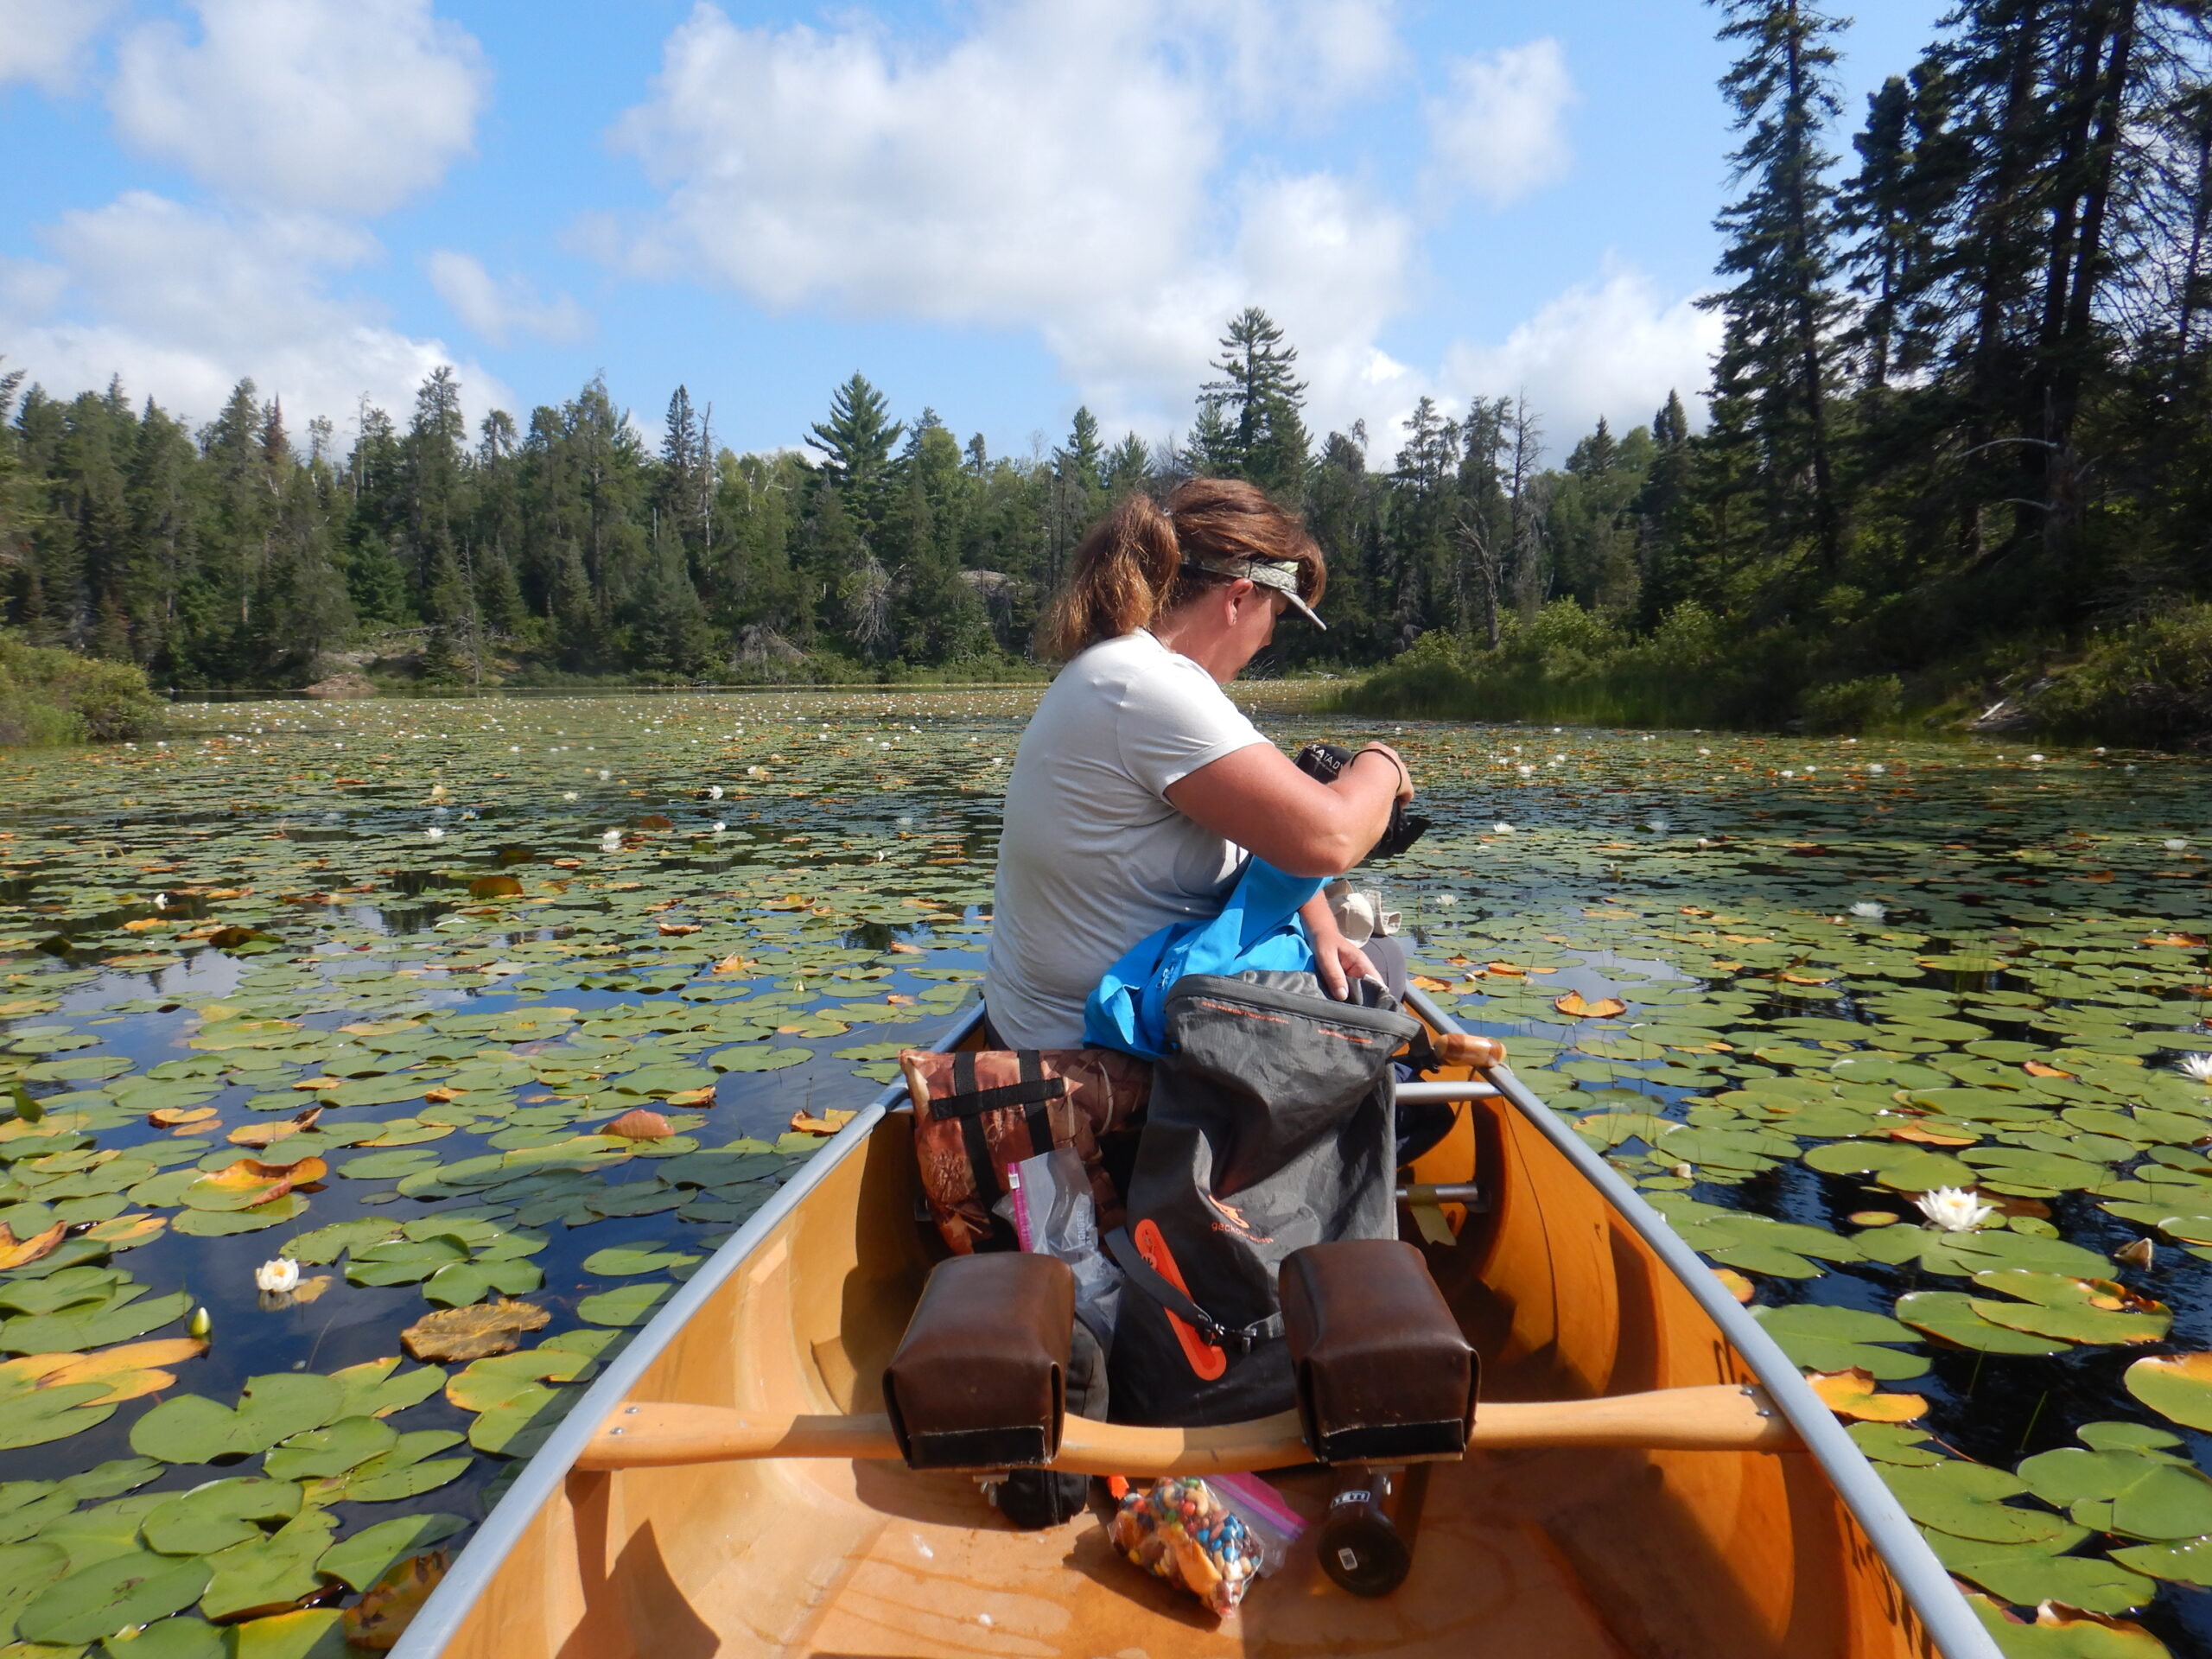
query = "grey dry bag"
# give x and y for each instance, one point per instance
(1271, 1127)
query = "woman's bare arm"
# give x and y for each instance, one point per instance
(1257, 798)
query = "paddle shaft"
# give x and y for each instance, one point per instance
(1719, 1417)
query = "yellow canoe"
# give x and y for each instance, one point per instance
(726, 1487)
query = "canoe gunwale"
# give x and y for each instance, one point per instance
(1925, 1582)
(484, 1554)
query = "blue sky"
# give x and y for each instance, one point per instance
(1002, 210)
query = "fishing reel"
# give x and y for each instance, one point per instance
(1326, 762)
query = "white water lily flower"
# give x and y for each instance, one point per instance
(2035, 757)
(720, 826)
(1525, 770)
(2198, 1066)
(713, 791)
(1867, 910)
(2175, 845)
(1502, 829)
(277, 1276)
(604, 774)
(435, 833)
(1448, 898)
(568, 794)
(1878, 768)
(1658, 824)
(1955, 1209)
(611, 841)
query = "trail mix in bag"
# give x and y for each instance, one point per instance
(1212, 1543)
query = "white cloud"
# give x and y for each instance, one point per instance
(494, 309)
(1501, 132)
(1054, 168)
(346, 106)
(45, 41)
(1308, 56)
(1613, 347)
(1047, 159)
(184, 303)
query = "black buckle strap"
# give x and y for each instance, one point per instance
(1238, 1340)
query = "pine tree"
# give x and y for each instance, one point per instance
(1775, 378)
(1257, 401)
(856, 445)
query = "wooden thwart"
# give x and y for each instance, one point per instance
(1718, 1417)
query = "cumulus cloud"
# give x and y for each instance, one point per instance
(46, 41)
(1614, 347)
(1004, 177)
(1500, 131)
(183, 303)
(495, 308)
(1052, 170)
(346, 106)
(1069, 167)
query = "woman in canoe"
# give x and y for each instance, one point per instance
(1139, 787)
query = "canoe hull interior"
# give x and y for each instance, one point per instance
(1603, 1553)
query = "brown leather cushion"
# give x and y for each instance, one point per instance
(979, 1380)
(1383, 1373)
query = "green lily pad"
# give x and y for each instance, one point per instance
(189, 1428)
(626, 1261)
(134, 1588)
(221, 1513)
(758, 1059)
(1821, 1338)
(360, 1559)
(625, 1305)
(315, 1453)
(267, 1575)
(1966, 1500)
(2176, 1386)
(2071, 1310)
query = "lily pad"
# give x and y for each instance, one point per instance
(360, 1559)
(2176, 1386)
(134, 1588)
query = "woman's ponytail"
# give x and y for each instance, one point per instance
(1131, 568)
(1123, 571)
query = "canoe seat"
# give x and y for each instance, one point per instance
(980, 1379)
(1383, 1373)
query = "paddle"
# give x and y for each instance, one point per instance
(1717, 1417)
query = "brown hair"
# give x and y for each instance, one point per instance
(1130, 570)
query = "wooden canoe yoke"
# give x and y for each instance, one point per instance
(1383, 1376)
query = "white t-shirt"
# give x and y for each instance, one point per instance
(1092, 858)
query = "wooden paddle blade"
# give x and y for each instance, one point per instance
(1461, 1048)
(1721, 1417)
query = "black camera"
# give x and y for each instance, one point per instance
(1327, 762)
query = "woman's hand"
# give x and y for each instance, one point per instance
(1342, 968)
(1405, 777)
(1338, 963)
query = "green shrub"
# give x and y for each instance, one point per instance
(2150, 682)
(50, 698)
(1568, 665)
(1855, 705)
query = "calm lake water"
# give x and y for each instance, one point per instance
(477, 933)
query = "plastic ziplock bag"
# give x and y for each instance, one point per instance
(1212, 1537)
(1054, 1214)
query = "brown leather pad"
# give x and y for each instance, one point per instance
(1383, 1374)
(980, 1379)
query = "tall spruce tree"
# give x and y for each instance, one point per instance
(1775, 379)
